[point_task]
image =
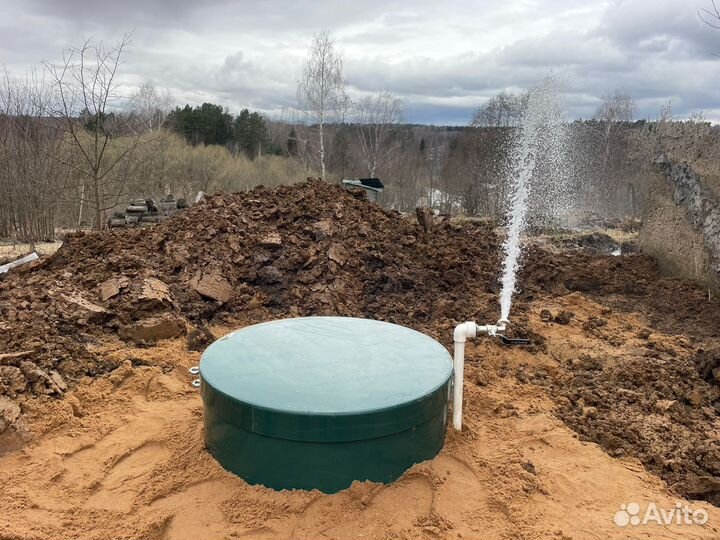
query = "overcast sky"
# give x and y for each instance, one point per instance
(443, 58)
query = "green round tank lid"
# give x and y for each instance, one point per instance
(325, 366)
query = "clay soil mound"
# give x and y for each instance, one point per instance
(308, 249)
(628, 359)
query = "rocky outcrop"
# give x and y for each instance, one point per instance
(703, 210)
(683, 233)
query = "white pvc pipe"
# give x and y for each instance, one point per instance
(462, 333)
(23, 260)
(458, 367)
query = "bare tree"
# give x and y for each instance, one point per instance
(711, 17)
(666, 112)
(501, 110)
(377, 117)
(697, 117)
(321, 91)
(616, 107)
(150, 106)
(100, 135)
(148, 111)
(31, 179)
(614, 113)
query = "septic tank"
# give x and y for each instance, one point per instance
(319, 402)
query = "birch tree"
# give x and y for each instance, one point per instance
(377, 117)
(150, 106)
(321, 90)
(616, 108)
(615, 111)
(148, 112)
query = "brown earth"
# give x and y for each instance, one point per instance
(109, 441)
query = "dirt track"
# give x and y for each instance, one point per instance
(120, 454)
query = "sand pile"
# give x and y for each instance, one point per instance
(122, 457)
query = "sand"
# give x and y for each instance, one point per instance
(122, 456)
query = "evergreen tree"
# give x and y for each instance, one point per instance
(206, 124)
(251, 134)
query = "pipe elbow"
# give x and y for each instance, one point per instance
(502, 325)
(464, 331)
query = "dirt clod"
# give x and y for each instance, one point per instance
(153, 329)
(212, 284)
(9, 413)
(198, 339)
(564, 317)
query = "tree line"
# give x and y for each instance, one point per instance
(209, 123)
(73, 149)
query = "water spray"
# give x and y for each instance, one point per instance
(536, 162)
(537, 176)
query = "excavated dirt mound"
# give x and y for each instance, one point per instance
(638, 395)
(314, 249)
(300, 250)
(595, 243)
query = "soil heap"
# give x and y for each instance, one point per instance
(316, 249)
(307, 249)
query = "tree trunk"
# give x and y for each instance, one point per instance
(322, 150)
(82, 203)
(98, 205)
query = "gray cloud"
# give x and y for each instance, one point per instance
(443, 59)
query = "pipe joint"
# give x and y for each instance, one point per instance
(465, 331)
(493, 330)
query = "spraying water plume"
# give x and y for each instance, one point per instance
(537, 176)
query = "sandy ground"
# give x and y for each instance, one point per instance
(122, 456)
(11, 251)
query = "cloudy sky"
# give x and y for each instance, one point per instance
(443, 58)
